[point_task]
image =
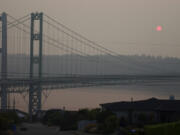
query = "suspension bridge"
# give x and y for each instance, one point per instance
(38, 54)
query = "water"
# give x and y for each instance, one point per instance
(75, 98)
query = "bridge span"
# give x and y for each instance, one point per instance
(38, 53)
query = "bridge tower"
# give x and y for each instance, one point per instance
(3, 52)
(36, 42)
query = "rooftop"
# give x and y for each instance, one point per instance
(149, 104)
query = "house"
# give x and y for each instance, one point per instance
(153, 109)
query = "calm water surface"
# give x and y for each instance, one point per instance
(76, 98)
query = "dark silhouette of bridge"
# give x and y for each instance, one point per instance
(38, 53)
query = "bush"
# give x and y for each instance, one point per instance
(86, 114)
(110, 124)
(7, 119)
(4, 123)
(163, 129)
(65, 120)
(102, 116)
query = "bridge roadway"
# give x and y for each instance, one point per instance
(19, 85)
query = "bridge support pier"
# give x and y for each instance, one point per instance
(3, 51)
(35, 90)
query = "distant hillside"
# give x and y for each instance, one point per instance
(126, 65)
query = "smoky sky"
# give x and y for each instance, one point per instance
(125, 26)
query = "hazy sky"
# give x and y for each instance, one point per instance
(126, 26)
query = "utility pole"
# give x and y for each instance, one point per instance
(3, 52)
(35, 89)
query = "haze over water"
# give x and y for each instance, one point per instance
(124, 26)
(75, 98)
